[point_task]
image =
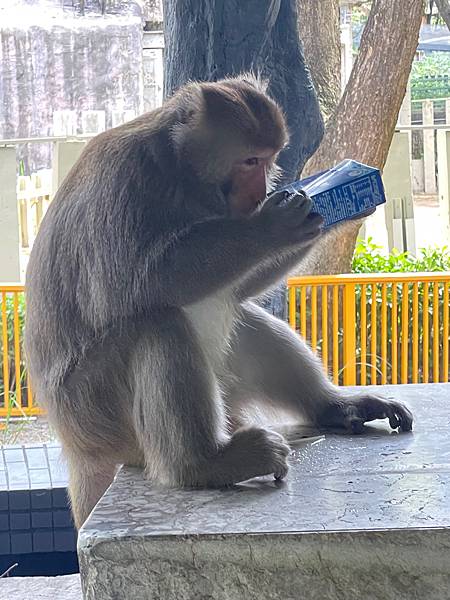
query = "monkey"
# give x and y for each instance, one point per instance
(143, 340)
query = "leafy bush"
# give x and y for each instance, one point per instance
(370, 258)
(432, 65)
(8, 298)
(430, 77)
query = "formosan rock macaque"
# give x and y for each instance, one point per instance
(142, 341)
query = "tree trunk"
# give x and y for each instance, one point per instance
(364, 122)
(321, 37)
(214, 38)
(443, 7)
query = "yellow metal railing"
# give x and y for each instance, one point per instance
(375, 328)
(368, 329)
(16, 398)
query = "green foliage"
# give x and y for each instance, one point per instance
(13, 384)
(430, 77)
(432, 65)
(360, 14)
(370, 258)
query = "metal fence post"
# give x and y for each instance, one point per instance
(349, 314)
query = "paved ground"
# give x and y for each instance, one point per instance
(428, 222)
(67, 587)
(429, 232)
(31, 431)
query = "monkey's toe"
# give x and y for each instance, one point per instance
(374, 407)
(353, 412)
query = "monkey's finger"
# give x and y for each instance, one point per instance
(281, 472)
(314, 220)
(299, 201)
(403, 416)
(307, 226)
(394, 421)
(287, 199)
(296, 211)
(275, 199)
(396, 412)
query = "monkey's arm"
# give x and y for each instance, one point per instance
(269, 274)
(207, 257)
(215, 254)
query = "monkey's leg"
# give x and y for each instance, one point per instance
(90, 412)
(88, 481)
(270, 362)
(179, 417)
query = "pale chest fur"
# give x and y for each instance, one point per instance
(213, 320)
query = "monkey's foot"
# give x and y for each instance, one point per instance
(353, 411)
(251, 452)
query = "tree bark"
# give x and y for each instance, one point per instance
(212, 39)
(443, 7)
(321, 37)
(364, 122)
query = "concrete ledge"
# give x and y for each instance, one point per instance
(359, 518)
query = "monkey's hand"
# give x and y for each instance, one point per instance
(353, 411)
(258, 452)
(289, 219)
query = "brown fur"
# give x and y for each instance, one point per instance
(140, 339)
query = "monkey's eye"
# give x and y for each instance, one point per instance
(251, 162)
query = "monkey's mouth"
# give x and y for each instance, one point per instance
(245, 207)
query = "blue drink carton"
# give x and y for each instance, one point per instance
(348, 190)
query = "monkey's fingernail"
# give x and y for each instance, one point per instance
(279, 475)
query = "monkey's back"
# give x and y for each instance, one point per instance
(86, 269)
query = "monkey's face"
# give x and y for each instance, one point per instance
(248, 182)
(227, 136)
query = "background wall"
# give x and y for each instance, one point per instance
(67, 68)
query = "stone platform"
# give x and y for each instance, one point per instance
(358, 518)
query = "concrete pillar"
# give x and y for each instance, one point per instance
(399, 210)
(9, 218)
(404, 116)
(443, 155)
(152, 64)
(447, 112)
(65, 154)
(428, 148)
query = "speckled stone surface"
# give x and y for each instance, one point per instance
(67, 587)
(358, 518)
